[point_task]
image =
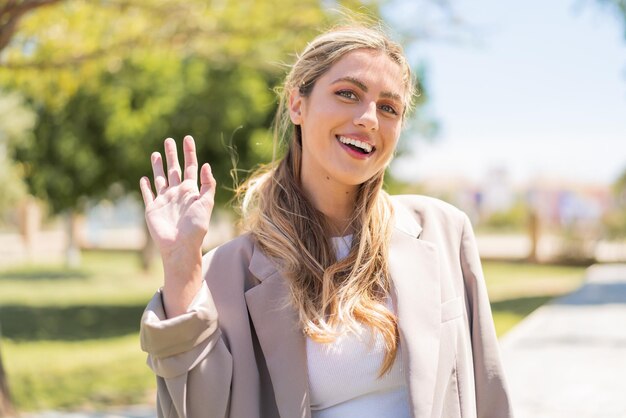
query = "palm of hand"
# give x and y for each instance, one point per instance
(178, 216)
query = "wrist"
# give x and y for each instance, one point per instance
(182, 258)
(182, 281)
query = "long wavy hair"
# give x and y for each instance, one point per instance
(331, 296)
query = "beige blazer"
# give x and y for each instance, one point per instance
(252, 362)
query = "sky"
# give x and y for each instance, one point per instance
(535, 87)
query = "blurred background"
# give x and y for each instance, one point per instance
(521, 122)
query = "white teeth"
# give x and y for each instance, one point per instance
(364, 146)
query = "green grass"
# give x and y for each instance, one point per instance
(517, 289)
(70, 337)
(77, 374)
(106, 279)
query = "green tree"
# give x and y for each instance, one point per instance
(110, 80)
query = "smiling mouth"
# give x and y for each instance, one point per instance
(359, 146)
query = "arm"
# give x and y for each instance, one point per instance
(492, 399)
(189, 357)
(179, 329)
(178, 220)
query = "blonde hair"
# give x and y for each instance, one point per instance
(331, 296)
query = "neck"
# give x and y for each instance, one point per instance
(336, 201)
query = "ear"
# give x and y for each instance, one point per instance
(295, 107)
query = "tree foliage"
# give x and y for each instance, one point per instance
(68, 45)
(110, 80)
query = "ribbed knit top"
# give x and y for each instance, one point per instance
(343, 375)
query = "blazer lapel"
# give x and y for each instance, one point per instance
(282, 342)
(416, 292)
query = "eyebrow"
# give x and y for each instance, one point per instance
(362, 86)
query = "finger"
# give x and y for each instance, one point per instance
(207, 182)
(171, 157)
(160, 183)
(146, 191)
(191, 160)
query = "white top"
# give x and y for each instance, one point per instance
(343, 375)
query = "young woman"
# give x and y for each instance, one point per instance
(339, 300)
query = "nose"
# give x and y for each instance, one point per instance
(367, 116)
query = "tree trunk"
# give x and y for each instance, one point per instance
(72, 250)
(29, 224)
(533, 233)
(6, 405)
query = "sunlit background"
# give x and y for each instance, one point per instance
(521, 122)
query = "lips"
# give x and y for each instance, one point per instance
(356, 145)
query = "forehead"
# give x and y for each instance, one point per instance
(375, 69)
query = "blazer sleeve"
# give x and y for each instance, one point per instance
(492, 399)
(189, 357)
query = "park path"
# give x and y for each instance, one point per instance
(568, 358)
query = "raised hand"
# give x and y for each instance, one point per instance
(178, 216)
(178, 219)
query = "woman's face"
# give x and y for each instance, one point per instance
(351, 120)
